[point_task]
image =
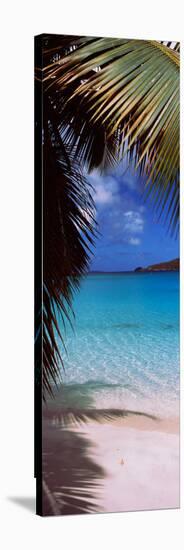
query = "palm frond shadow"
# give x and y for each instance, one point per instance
(74, 404)
(73, 416)
(72, 480)
(71, 477)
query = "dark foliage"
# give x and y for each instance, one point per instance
(68, 231)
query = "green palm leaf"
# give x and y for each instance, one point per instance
(130, 90)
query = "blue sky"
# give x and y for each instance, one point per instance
(130, 234)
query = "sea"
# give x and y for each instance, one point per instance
(123, 350)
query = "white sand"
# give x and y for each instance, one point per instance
(141, 465)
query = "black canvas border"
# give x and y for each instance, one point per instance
(38, 273)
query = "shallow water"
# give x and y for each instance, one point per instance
(124, 352)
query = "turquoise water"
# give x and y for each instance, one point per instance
(125, 348)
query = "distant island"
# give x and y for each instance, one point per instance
(172, 265)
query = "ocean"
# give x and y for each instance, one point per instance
(124, 350)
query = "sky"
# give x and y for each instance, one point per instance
(130, 234)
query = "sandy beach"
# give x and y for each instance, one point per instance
(140, 458)
(111, 433)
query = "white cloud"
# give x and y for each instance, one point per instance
(134, 222)
(128, 214)
(103, 195)
(134, 241)
(105, 188)
(118, 211)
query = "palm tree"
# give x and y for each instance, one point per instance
(103, 99)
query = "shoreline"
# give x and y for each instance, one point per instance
(169, 425)
(143, 423)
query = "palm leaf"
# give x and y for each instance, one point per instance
(68, 232)
(130, 90)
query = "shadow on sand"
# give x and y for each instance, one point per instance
(71, 478)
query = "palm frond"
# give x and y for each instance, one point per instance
(129, 89)
(69, 229)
